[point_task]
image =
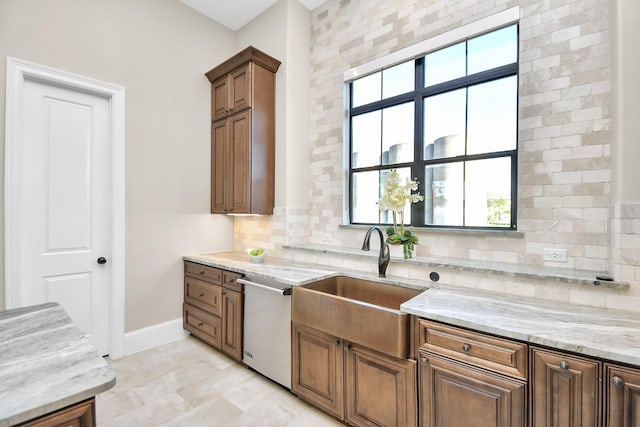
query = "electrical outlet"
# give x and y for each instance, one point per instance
(326, 237)
(557, 255)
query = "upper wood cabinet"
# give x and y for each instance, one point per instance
(243, 133)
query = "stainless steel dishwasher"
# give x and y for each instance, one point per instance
(267, 328)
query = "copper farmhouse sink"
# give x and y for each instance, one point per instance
(360, 311)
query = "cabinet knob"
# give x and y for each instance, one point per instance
(466, 348)
(338, 342)
(201, 272)
(564, 364)
(423, 361)
(617, 381)
(200, 324)
(201, 294)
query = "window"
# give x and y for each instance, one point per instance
(448, 119)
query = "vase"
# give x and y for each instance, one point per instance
(397, 251)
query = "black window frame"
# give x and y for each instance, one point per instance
(418, 165)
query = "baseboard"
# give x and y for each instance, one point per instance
(153, 336)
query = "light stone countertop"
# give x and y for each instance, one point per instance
(272, 268)
(46, 363)
(608, 334)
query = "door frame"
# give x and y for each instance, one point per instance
(17, 72)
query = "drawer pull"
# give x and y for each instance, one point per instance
(200, 324)
(564, 365)
(201, 272)
(466, 348)
(617, 381)
(201, 295)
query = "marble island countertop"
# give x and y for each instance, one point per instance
(609, 334)
(46, 364)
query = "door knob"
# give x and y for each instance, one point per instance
(102, 260)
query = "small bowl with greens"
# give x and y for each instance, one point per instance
(257, 254)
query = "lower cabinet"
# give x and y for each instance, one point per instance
(213, 307)
(622, 396)
(81, 414)
(455, 394)
(380, 389)
(317, 369)
(232, 321)
(469, 378)
(355, 384)
(565, 390)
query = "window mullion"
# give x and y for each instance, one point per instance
(417, 170)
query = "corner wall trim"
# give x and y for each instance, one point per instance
(153, 336)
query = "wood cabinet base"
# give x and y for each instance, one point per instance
(458, 395)
(81, 414)
(351, 382)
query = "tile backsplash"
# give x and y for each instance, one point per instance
(564, 158)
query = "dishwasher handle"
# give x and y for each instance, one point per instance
(284, 292)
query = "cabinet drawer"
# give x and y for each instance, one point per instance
(203, 325)
(497, 354)
(230, 280)
(204, 295)
(204, 272)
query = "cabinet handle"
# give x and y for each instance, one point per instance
(200, 324)
(617, 381)
(564, 364)
(202, 272)
(466, 348)
(201, 294)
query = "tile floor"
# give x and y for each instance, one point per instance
(187, 383)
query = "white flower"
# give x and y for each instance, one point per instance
(396, 195)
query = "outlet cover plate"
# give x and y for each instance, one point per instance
(555, 255)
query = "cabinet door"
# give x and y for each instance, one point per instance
(220, 98)
(622, 397)
(564, 390)
(317, 371)
(220, 185)
(380, 389)
(232, 323)
(457, 395)
(240, 89)
(239, 162)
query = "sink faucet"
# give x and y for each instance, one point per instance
(383, 257)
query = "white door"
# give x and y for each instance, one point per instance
(62, 205)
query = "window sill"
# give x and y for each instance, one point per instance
(460, 231)
(543, 273)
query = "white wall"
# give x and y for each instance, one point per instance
(159, 51)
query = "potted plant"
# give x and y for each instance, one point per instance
(395, 197)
